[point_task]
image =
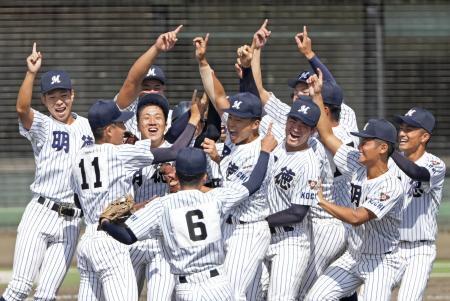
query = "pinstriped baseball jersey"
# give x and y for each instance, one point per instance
(55, 146)
(102, 173)
(383, 196)
(347, 118)
(293, 178)
(278, 111)
(148, 182)
(422, 200)
(190, 222)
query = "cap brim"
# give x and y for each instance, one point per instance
(240, 114)
(303, 119)
(293, 82)
(163, 81)
(408, 120)
(124, 116)
(64, 87)
(362, 135)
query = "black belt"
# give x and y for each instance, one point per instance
(212, 273)
(285, 228)
(61, 209)
(229, 221)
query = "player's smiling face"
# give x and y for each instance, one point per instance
(297, 134)
(59, 104)
(410, 138)
(152, 86)
(242, 130)
(152, 124)
(301, 89)
(370, 150)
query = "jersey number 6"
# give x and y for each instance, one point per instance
(196, 225)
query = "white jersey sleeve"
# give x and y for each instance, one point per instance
(145, 223)
(347, 160)
(37, 134)
(230, 195)
(380, 200)
(348, 118)
(135, 156)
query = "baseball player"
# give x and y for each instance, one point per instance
(50, 226)
(372, 257)
(190, 223)
(102, 174)
(422, 175)
(291, 192)
(322, 225)
(246, 232)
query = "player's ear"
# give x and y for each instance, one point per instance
(384, 148)
(72, 94)
(255, 124)
(425, 137)
(43, 100)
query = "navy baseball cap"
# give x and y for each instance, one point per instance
(154, 99)
(245, 105)
(332, 93)
(378, 128)
(181, 108)
(301, 78)
(105, 112)
(191, 161)
(155, 72)
(55, 79)
(305, 110)
(419, 118)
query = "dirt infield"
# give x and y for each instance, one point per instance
(438, 286)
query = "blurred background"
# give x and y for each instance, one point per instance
(387, 55)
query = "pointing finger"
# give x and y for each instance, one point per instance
(177, 30)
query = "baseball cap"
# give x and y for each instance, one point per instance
(305, 110)
(181, 108)
(301, 78)
(105, 112)
(332, 93)
(191, 161)
(55, 79)
(378, 128)
(245, 105)
(154, 99)
(419, 118)
(155, 72)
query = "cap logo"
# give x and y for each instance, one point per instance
(303, 109)
(55, 80)
(237, 104)
(365, 127)
(151, 72)
(304, 75)
(410, 112)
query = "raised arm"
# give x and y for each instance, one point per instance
(259, 40)
(211, 83)
(324, 126)
(132, 85)
(23, 105)
(304, 46)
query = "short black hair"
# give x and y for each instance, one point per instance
(334, 110)
(189, 180)
(99, 132)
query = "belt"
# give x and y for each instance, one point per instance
(285, 229)
(212, 273)
(61, 209)
(229, 221)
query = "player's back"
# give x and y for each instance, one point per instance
(103, 173)
(191, 226)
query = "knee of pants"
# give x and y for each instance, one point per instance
(18, 289)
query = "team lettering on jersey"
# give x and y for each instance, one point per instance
(232, 168)
(284, 178)
(157, 176)
(60, 141)
(356, 194)
(137, 178)
(87, 140)
(417, 188)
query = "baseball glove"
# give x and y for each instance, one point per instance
(119, 210)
